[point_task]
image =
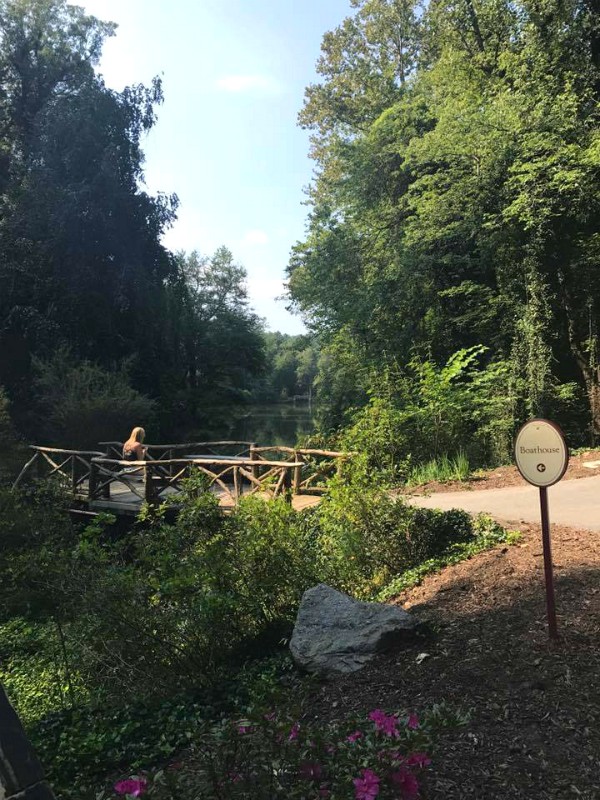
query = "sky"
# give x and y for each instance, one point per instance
(227, 140)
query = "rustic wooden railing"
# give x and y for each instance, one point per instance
(159, 452)
(153, 481)
(72, 468)
(270, 471)
(312, 466)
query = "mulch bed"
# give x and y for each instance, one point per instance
(507, 476)
(535, 704)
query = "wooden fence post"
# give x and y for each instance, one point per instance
(73, 473)
(148, 488)
(93, 480)
(236, 484)
(297, 475)
(21, 774)
(287, 484)
(252, 454)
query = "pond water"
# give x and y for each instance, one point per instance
(276, 424)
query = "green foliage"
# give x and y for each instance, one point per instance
(82, 264)
(84, 404)
(428, 412)
(458, 207)
(214, 337)
(291, 367)
(174, 603)
(267, 754)
(440, 469)
(93, 623)
(487, 534)
(366, 537)
(380, 442)
(79, 746)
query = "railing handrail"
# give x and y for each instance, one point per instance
(43, 449)
(241, 462)
(179, 445)
(309, 451)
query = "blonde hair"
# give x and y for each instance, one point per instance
(137, 435)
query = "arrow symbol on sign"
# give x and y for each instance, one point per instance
(541, 468)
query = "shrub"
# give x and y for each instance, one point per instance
(269, 754)
(83, 404)
(431, 412)
(172, 605)
(368, 537)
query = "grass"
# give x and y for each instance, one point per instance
(440, 470)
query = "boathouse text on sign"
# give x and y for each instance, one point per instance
(541, 452)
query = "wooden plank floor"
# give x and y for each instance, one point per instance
(124, 501)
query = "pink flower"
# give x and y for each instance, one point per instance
(295, 729)
(235, 777)
(310, 771)
(242, 729)
(418, 760)
(383, 722)
(406, 782)
(132, 786)
(413, 722)
(354, 736)
(367, 787)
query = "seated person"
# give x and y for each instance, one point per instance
(132, 449)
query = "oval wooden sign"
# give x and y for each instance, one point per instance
(541, 452)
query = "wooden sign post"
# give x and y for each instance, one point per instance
(542, 457)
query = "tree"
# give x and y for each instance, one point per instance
(81, 261)
(215, 337)
(460, 206)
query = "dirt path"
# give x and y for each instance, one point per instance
(571, 502)
(534, 733)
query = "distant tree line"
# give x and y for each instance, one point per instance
(456, 203)
(292, 367)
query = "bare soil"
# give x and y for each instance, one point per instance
(508, 476)
(535, 704)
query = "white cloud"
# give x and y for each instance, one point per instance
(263, 84)
(255, 237)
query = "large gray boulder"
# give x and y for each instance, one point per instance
(335, 634)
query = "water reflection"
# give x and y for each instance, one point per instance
(279, 424)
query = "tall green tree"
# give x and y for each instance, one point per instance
(81, 261)
(215, 338)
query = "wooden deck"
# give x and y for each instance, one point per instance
(123, 501)
(103, 481)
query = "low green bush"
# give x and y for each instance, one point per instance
(171, 605)
(82, 404)
(367, 537)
